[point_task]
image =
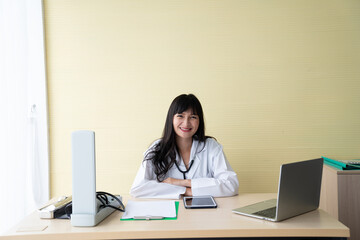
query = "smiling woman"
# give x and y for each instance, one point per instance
(185, 161)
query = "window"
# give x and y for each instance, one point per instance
(24, 174)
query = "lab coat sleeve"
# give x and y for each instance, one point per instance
(224, 182)
(146, 186)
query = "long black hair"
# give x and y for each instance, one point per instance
(166, 148)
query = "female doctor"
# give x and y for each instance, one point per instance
(185, 161)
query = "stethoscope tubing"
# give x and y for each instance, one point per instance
(184, 172)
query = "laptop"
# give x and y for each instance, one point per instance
(298, 192)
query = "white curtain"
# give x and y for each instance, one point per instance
(24, 156)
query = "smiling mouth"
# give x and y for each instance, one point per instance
(185, 129)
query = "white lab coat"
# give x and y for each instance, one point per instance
(211, 174)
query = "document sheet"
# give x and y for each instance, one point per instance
(136, 209)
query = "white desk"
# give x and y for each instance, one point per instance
(191, 223)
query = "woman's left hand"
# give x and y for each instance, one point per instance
(178, 182)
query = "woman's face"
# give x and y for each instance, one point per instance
(186, 124)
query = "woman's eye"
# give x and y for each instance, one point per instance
(179, 116)
(194, 117)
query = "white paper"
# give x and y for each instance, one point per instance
(149, 209)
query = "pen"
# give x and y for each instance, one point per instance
(148, 217)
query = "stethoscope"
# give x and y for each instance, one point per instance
(191, 163)
(184, 172)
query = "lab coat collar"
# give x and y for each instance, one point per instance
(196, 148)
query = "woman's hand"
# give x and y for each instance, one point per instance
(178, 182)
(188, 191)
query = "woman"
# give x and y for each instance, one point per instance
(185, 161)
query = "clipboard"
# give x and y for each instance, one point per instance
(154, 217)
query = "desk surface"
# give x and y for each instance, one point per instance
(191, 223)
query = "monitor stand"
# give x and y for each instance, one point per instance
(86, 211)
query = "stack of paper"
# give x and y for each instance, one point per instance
(149, 210)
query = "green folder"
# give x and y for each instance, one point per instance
(333, 165)
(167, 218)
(341, 164)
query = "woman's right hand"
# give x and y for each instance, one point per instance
(188, 191)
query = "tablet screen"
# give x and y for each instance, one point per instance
(199, 202)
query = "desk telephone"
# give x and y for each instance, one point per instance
(62, 208)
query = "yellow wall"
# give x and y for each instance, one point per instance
(279, 81)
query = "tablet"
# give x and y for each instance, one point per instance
(199, 202)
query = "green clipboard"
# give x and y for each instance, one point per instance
(167, 218)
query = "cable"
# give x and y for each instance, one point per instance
(103, 198)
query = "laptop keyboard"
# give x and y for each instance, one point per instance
(270, 212)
